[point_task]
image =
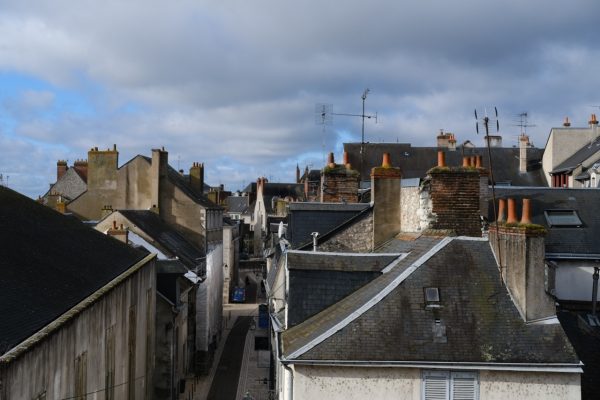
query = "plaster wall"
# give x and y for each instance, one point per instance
(101, 332)
(502, 385)
(385, 193)
(345, 383)
(573, 280)
(409, 218)
(563, 143)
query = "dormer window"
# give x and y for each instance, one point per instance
(563, 218)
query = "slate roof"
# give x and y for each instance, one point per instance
(237, 204)
(295, 190)
(416, 161)
(305, 218)
(322, 279)
(579, 157)
(50, 262)
(562, 241)
(482, 325)
(165, 236)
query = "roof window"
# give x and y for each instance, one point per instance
(432, 297)
(563, 218)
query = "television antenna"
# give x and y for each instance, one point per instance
(486, 121)
(324, 116)
(523, 122)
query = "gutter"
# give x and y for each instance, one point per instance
(526, 367)
(72, 313)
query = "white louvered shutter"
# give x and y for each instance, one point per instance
(436, 385)
(464, 386)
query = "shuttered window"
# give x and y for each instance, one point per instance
(446, 385)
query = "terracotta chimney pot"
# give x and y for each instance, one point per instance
(512, 212)
(501, 210)
(346, 162)
(386, 163)
(330, 161)
(441, 159)
(526, 215)
(473, 161)
(466, 161)
(478, 161)
(593, 120)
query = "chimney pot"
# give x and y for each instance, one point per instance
(526, 215)
(386, 163)
(512, 212)
(593, 120)
(566, 123)
(114, 224)
(501, 210)
(478, 162)
(441, 159)
(330, 161)
(346, 162)
(465, 161)
(472, 161)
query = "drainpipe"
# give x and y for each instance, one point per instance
(289, 382)
(595, 290)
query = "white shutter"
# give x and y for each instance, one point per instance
(436, 385)
(464, 386)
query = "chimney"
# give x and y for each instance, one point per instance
(520, 249)
(593, 121)
(452, 142)
(453, 200)
(512, 212)
(567, 123)
(158, 176)
(385, 195)
(61, 169)
(495, 140)
(102, 169)
(197, 177)
(347, 161)
(466, 162)
(106, 210)
(501, 210)
(120, 233)
(339, 183)
(523, 145)
(81, 166)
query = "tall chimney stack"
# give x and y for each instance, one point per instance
(158, 176)
(523, 145)
(385, 195)
(197, 177)
(61, 169)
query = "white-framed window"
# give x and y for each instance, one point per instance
(450, 385)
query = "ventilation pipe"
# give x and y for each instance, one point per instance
(315, 235)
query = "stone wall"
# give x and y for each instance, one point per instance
(339, 185)
(356, 238)
(409, 217)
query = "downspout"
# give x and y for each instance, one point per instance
(289, 382)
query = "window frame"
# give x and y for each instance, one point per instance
(574, 213)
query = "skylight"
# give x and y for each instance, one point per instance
(567, 218)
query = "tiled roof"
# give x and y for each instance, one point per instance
(168, 238)
(237, 204)
(416, 161)
(50, 262)
(562, 240)
(387, 319)
(305, 218)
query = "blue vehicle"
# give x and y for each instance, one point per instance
(239, 295)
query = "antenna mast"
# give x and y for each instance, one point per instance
(522, 122)
(325, 113)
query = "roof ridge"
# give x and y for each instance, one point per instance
(372, 301)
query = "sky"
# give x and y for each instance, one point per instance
(235, 83)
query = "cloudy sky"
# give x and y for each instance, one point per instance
(234, 83)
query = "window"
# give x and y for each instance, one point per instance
(566, 218)
(450, 385)
(432, 297)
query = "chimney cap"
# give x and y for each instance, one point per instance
(567, 123)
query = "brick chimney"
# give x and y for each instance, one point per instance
(61, 169)
(385, 195)
(158, 176)
(197, 177)
(102, 168)
(523, 145)
(81, 166)
(519, 247)
(120, 233)
(339, 182)
(451, 199)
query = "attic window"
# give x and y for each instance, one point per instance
(567, 218)
(432, 295)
